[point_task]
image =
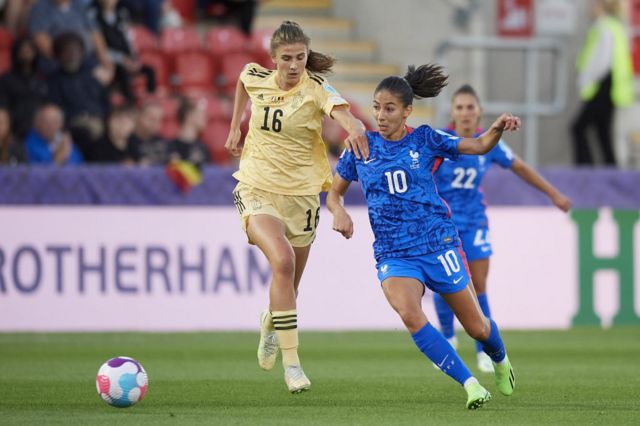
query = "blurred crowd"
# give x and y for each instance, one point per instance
(121, 81)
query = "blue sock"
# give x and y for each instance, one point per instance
(440, 352)
(445, 316)
(493, 346)
(484, 305)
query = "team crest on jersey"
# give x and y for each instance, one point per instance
(298, 97)
(415, 159)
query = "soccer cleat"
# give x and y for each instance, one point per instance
(268, 346)
(505, 380)
(477, 396)
(485, 364)
(295, 379)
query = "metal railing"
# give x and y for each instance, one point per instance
(531, 109)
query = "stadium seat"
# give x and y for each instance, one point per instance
(177, 40)
(186, 9)
(158, 62)
(6, 39)
(215, 136)
(215, 108)
(231, 68)
(194, 70)
(261, 46)
(142, 39)
(5, 60)
(223, 40)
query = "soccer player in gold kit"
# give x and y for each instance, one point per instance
(283, 168)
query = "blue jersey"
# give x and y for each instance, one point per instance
(407, 216)
(459, 184)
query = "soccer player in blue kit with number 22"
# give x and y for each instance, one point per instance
(416, 243)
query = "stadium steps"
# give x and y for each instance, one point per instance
(296, 7)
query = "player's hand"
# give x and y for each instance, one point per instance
(562, 202)
(232, 143)
(507, 122)
(343, 224)
(357, 143)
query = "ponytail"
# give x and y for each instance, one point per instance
(426, 81)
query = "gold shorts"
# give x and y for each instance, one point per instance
(299, 213)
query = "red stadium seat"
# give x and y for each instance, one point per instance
(215, 136)
(160, 65)
(261, 46)
(177, 40)
(194, 70)
(223, 40)
(6, 39)
(143, 39)
(5, 60)
(186, 9)
(232, 67)
(216, 109)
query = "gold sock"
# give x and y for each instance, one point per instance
(286, 325)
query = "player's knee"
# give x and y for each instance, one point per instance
(412, 318)
(283, 265)
(479, 331)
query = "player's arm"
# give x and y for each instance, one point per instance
(342, 222)
(486, 141)
(356, 142)
(534, 179)
(239, 105)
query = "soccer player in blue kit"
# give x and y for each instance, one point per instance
(458, 183)
(416, 243)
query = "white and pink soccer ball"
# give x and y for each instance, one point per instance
(122, 381)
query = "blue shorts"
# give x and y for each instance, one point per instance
(442, 272)
(476, 244)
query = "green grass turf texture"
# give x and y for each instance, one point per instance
(583, 376)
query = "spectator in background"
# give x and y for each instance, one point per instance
(240, 12)
(50, 18)
(22, 90)
(113, 22)
(605, 81)
(187, 146)
(47, 144)
(78, 92)
(114, 146)
(11, 151)
(170, 18)
(146, 139)
(15, 15)
(148, 12)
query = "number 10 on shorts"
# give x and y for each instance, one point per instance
(450, 262)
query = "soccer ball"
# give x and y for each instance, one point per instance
(122, 381)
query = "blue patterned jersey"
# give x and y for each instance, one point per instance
(407, 216)
(459, 184)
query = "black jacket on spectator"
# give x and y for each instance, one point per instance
(194, 152)
(106, 152)
(114, 33)
(153, 151)
(22, 93)
(78, 94)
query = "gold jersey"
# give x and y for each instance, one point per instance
(284, 152)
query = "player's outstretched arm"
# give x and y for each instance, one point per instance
(486, 141)
(533, 178)
(356, 142)
(342, 222)
(233, 139)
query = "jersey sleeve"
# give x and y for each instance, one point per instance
(327, 97)
(502, 155)
(346, 166)
(253, 71)
(441, 143)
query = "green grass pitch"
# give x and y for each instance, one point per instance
(581, 377)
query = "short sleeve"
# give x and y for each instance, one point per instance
(502, 155)
(441, 143)
(244, 74)
(327, 97)
(346, 167)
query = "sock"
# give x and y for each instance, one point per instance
(440, 352)
(493, 346)
(445, 316)
(286, 326)
(484, 305)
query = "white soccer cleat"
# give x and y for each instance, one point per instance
(485, 364)
(295, 379)
(268, 346)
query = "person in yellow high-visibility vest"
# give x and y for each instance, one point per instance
(605, 81)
